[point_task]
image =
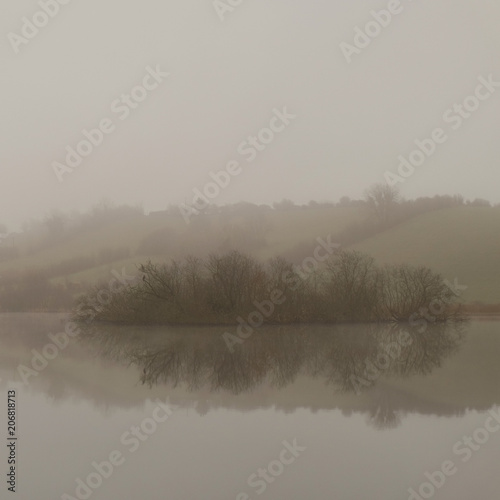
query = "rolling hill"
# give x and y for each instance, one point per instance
(461, 242)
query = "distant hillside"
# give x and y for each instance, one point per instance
(460, 242)
(263, 233)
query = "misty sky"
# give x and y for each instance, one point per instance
(226, 78)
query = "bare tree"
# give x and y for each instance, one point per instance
(353, 285)
(382, 200)
(236, 280)
(407, 290)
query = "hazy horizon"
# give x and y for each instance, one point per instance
(227, 79)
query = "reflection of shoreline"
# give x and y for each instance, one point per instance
(98, 373)
(332, 351)
(276, 358)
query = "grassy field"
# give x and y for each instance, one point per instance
(461, 242)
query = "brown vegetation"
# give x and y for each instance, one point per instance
(223, 288)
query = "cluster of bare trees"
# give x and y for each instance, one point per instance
(224, 288)
(358, 289)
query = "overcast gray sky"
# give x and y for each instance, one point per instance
(227, 76)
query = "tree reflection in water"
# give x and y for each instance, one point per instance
(199, 358)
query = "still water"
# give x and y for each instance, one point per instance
(307, 412)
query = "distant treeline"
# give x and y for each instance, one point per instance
(246, 226)
(230, 288)
(58, 226)
(386, 209)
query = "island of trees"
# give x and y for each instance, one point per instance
(232, 287)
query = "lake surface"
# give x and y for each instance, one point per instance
(307, 412)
